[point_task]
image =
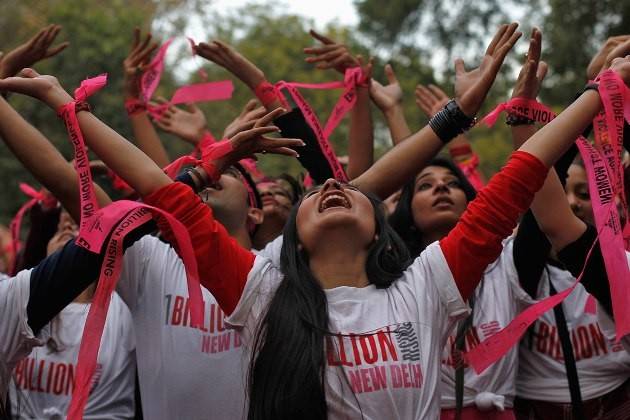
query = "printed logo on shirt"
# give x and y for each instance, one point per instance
(587, 341)
(46, 376)
(387, 358)
(215, 337)
(471, 339)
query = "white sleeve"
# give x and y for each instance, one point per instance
(272, 251)
(262, 282)
(431, 282)
(133, 278)
(16, 336)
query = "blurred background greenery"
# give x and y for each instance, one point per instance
(420, 38)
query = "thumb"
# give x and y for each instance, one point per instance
(459, 66)
(389, 73)
(28, 73)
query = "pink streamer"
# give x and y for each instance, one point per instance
(96, 224)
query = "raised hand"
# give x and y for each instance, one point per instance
(227, 57)
(430, 99)
(330, 54)
(251, 112)
(471, 87)
(533, 71)
(388, 96)
(35, 49)
(252, 139)
(45, 88)
(189, 125)
(621, 66)
(135, 63)
(604, 57)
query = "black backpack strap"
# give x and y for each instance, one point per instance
(569, 357)
(460, 342)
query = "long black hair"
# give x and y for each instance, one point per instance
(402, 217)
(287, 371)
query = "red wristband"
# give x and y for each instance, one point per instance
(135, 106)
(266, 93)
(462, 150)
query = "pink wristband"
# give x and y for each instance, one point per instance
(135, 106)
(266, 93)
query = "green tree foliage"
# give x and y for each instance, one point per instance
(99, 35)
(573, 30)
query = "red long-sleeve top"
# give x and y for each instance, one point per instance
(474, 243)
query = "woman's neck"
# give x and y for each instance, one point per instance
(336, 266)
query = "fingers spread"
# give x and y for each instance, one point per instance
(321, 38)
(495, 39)
(56, 50)
(437, 92)
(269, 117)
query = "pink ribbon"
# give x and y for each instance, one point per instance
(605, 177)
(494, 347)
(469, 168)
(199, 92)
(151, 77)
(601, 167)
(15, 226)
(96, 225)
(210, 152)
(590, 306)
(352, 78)
(524, 107)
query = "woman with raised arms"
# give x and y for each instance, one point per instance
(345, 327)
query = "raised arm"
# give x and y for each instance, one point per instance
(215, 251)
(403, 161)
(38, 48)
(492, 215)
(43, 160)
(431, 99)
(247, 72)
(144, 133)
(333, 55)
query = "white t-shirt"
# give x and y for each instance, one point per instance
(607, 324)
(43, 382)
(498, 299)
(16, 337)
(185, 372)
(602, 365)
(394, 372)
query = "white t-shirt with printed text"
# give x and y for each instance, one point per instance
(16, 337)
(44, 381)
(497, 300)
(602, 365)
(185, 371)
(394, 371)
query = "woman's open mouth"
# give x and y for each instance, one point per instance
(334, 199)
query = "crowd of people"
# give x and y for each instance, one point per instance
(358, 289)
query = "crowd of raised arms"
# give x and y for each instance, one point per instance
(408, 287)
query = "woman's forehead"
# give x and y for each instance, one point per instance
(434, 170)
